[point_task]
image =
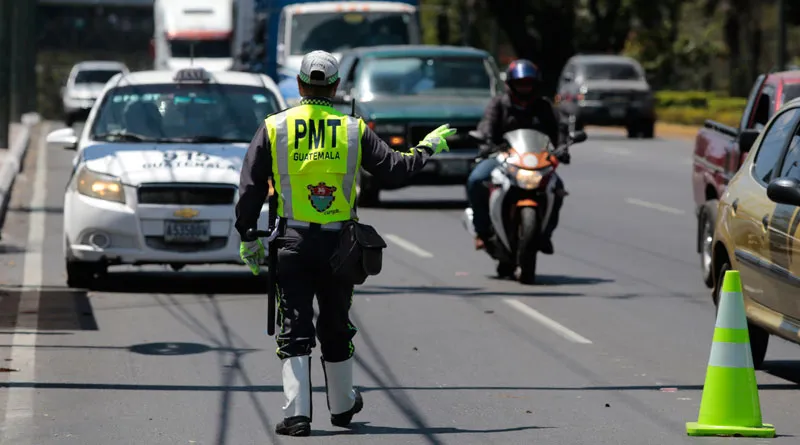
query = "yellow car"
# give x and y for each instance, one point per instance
(757, 232)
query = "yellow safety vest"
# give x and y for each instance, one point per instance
(316, 153)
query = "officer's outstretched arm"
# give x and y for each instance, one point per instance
(391, 167)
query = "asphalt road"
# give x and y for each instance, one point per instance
(611, 347)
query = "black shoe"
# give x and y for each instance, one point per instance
(546, 246)
(344, 419)
(294, 426)
(506, 270)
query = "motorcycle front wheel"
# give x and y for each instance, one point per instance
(527, 245)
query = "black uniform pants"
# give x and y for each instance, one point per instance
(303, 271)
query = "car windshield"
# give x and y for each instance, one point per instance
(611, 71)
(95, 76)
(430, 76)
(791, 91)
(207, 49)
(182, 112)
(528, 141)
(336, 32)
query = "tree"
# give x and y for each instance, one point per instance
(541, 31)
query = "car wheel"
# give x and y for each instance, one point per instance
(759, 337)
(633, 131)
(82, 274)
(648, 129)
(706, 222)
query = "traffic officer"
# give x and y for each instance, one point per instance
(313, 153)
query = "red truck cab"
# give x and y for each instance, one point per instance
(720, 150)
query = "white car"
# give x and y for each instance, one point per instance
(84, 84)
(156, 173)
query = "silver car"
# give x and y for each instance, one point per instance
(85, 82)
(606, 90)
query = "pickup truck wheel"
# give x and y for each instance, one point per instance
(706, 222)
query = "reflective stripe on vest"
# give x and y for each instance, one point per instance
(316, 152)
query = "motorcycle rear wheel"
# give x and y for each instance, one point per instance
(527, 247)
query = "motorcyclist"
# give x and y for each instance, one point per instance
(519, 108)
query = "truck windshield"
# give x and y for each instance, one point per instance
(611, 71)
(431, 76)
(335, 31)
(791, 91)
(95, 76)
(189, 112)
(209, 49)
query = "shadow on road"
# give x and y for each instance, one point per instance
(10, 248)
(364, 428)
(560, 280)
(455, 291)
(444, 204)
(170, 282)
(60, 309)
(784, 369)
(27, 209)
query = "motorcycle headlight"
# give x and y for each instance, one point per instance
(100, 186)
(528, 179)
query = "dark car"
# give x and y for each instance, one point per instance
(404, 92)
(606, 90)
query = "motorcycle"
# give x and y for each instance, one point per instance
(521, 195)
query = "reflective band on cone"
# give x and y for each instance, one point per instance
(730, 404)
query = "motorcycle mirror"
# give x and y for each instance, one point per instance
(578, 137)
(477, 135)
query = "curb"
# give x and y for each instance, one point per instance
(12, 164)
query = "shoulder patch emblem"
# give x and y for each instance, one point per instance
(321, 196)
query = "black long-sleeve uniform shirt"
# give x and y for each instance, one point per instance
(389, 166)
(501, 117)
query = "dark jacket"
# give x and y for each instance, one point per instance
(501, 117)
(389, 166)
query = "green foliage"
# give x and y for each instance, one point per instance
(694, 107)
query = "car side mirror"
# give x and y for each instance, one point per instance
(578, 137)
(747, 138)
(784, 191)
(65, 137)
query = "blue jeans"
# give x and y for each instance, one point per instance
(478, 196)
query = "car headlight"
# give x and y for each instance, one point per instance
(390, 128)
(100, 186)
(528, 179)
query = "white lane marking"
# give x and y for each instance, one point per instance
(654, 206)
(20, 401)
(409, 246)
(548, 322)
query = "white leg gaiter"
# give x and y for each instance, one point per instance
(297, 386)
(339, 382)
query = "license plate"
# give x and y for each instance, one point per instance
(617, 112)
(187, 231)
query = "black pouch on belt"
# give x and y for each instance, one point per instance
(359, 254)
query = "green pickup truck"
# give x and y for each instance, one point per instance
(403, 92)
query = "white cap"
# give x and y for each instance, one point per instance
(319, 68)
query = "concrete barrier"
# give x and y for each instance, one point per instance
(12, 162)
